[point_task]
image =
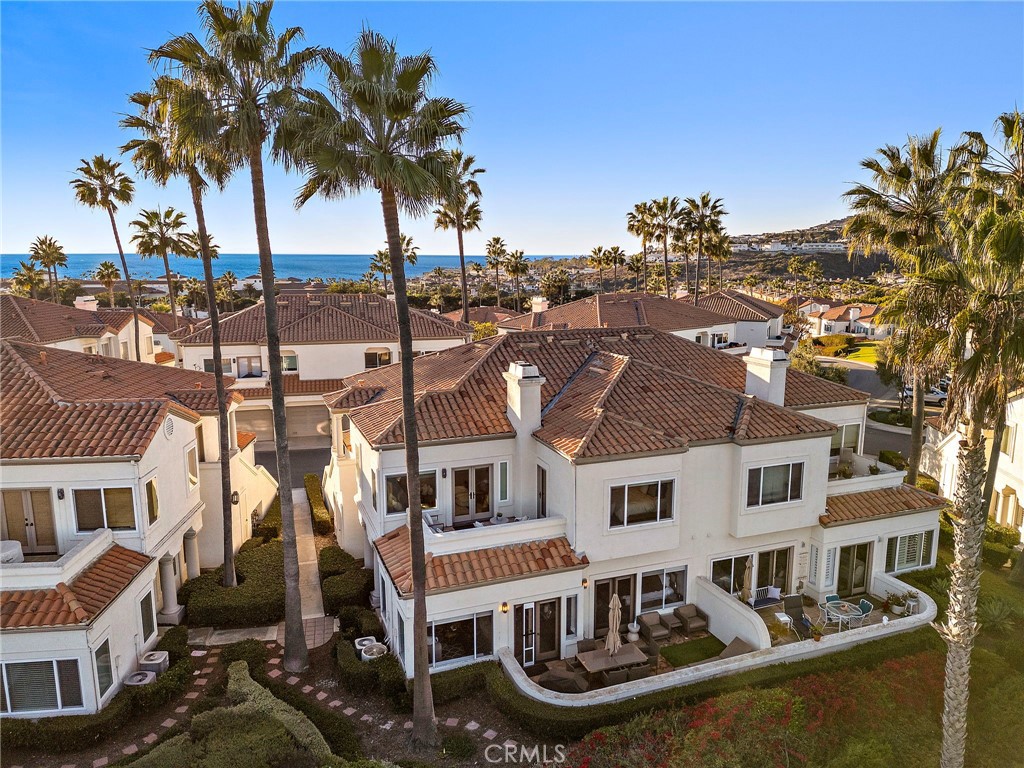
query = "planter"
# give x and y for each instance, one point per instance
(817, 638)
(634, 633)
(898, 610)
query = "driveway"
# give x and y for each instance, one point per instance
(862, 376)
(303, 461)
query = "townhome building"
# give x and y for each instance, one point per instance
(108, 332)
(324, 338)
(758, 322)
(109, 500)
(855, 319)
(561, 467)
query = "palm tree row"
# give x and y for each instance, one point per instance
(602, 258)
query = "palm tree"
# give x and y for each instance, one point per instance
(164, 150)
(461, 211)
(344, 141)
(598, 261)
(496, 253)
(719, 249)
(27, 279)
(665, 220)
(253, 72)
(998, 172)
(50, 254)
(193, 288)
(704, 222)
(161, 233)
(477, 269)
(639, 224)
(616, 257)
(101, 184)
(381, 262)
(517, 266)
(903, 210)
(228, 280)
(636, 265)
(107, 274)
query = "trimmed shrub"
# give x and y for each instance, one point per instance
(354, 674)
(251, 651)
(253, 543)
(893, 459)
(1001, 534)
(355, 621)
(319, 514)
(175, 642)
(270, 526)
(334, 561)
(392, 682)
(351, 588)
(995, 555)
(458, 746)
(258, 598)
(453, 684)
(930, 484)
(945, 530)
(166, 686)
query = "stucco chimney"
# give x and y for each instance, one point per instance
(524, 384)
(539, 304)
(766, 374)
(86, 302)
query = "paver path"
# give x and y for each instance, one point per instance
(309, 571)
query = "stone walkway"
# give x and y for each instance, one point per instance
(318, 631)
(309, 571)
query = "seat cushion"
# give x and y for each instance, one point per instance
(697, 623)
(686, 611)
(650, 619)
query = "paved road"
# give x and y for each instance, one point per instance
(876, 440)
(303, 461)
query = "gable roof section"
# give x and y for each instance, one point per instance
(482, 314)
(740, 306)
(883, 502)
(45, 322)
(62, 404)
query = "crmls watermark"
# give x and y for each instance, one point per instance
(522, 754)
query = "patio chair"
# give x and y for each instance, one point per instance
(794, 608)
(639, 672)
(653, 649)
(866, 607)
(585, 644)
(614, 677)
(692, 618)
(828, 599)
(651, 627)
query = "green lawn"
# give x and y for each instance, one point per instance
(681, 654)
(864, 352)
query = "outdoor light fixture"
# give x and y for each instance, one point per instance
(444, 472)
(234, 497)
(504, 607)
(60, 494)
(586, 582)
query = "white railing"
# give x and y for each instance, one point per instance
(861, 478)
(48, 574)
(446, 542)
(729, 618)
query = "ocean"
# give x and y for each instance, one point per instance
(300, 265)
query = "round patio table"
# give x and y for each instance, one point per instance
(842, 611)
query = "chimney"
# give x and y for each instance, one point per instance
(42, 357)
(86, 302)
(539, 304)
(766, 374)
(524, 384)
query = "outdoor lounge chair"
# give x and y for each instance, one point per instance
(652, 628)
(653, 649)
(692, 618)
(614, 677)
(563, 681)
(794, 607)
(585, 644)
(640, 672)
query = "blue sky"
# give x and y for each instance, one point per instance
(578, 110)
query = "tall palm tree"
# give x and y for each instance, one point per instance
(27, 279)
(903, 211)
(998, 171)
(107, 275)
(598, 260)
(193, 287)
(719, 249)
(516, 266)
(496, 253)
(461, 211)
(639, 223)
(704, 221)
(477, 269)
(161, 233)
(161, 152)
(381, 262)
(615, 257)
(253, 72)
(50, 255)
(636, 265)
(665, 221)
(101, 184)
(376, 127)
(228, 280)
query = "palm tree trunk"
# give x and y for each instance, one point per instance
(916, 430)
(696, 280)
(960, 628)
(223, 425)
(424, 729)
(170, 289)
(128, 282)
(296, 655)
(644, 243)
(49, 277)
(111, 292)
(462, 271)
(668, 275)
(615, 276)
(385, 274)
(519, 298)
(497, 288)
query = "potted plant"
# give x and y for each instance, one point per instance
(816, 632)
(874, 469)
(897, 603)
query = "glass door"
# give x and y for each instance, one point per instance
(28, 518)
(603, 591)
(773, 569)
(853, 569)
(548, 635)
(525, 634)
(471, 494)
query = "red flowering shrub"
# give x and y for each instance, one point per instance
(643, 742)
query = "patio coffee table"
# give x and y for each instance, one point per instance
(602, 661)
(842, 611)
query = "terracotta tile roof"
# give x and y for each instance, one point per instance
(293, 385)
(78, 603)
(119, 318)
(739, 306)
(619, 310)
(883, 502)
(45, 322)
(325, 318)
(843, 312)
(606, 392)
(245, 438)
(58, 403)
(484, 314)
(163, 322)
(163, 357)
(465, 569)
(935, 422)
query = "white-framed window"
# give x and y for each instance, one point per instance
(289, 361)
(124, 350)
(639, 503)
(395, 488)
(89, 349)
(503, 489)
(456, 639)
(104, 668)
(373, 488)
(152, 501)
(149, 345)
(375, 358)
(904, 553)
(192, 467)
(208, 366)
(728, 572)
(40, 686)
(148, 614)
(847, 436)
(662, 588)
(107, 347)
(112, 508)
(250, 367)
(775, 484)
(542, 491)
(1007, 440)
(571, 615)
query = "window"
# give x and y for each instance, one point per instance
(502, 481)
(289, 361)
(200, 442)
(149, 345)
(662, 589)
(542, 492)
(775, 484)
(250, 368)
(373, 488)
(104, 508)
(468, 638)
(571, 607)
(192, 466)
(104, 669)
(903, 553)
(400, 637)
(108, 348)
(383, 596)
(148, 617)
(1006, 441)
(848, 437)
(152, 502)
(346, 433)
(208, 367)
(728, 572)
(398, 494)
(35, 686)
(89, 349)
(375, 358)
(640, 503)
(124, 350)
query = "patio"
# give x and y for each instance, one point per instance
(781, 635)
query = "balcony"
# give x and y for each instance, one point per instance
(441, 540)
(43, 573)
(853, 472)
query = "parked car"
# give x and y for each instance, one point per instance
(933, 396)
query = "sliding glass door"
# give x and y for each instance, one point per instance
(603, 591)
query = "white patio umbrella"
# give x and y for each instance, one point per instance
(613, 642)
(748, 577)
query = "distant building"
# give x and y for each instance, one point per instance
(854, 319)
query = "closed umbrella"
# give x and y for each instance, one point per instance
(748, 575)
(613, 642)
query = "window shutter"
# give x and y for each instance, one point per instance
(830, 567)
(70, 683)
(890, 555)
(813, 576)
(31, 686)
(926, 553)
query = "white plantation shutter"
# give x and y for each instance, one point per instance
(31, 686)
(813, 576)
(830, 567)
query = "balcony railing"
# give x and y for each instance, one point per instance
(440, 540)
(856, 472)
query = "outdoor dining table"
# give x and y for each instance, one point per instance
(602, 661)
(841, 611)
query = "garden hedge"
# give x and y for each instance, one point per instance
(258, 599)
(893, 459)
(323, 521)
(355, 621)
(334, 560)
(350, 588)
(270, 526)
(994, 554)
(354, 674)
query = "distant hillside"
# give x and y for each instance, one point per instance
(829, 232)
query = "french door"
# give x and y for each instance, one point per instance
(537, 631)
(471, 494)
(603, 591)
(853, 569)
(28, 518)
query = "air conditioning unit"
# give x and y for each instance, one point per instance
(136, 679)
(362, 642)
(154, 661)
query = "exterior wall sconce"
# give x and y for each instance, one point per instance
(234, 498)
(586, 582)
(504, 607)
(60, 494)
(444, 472)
